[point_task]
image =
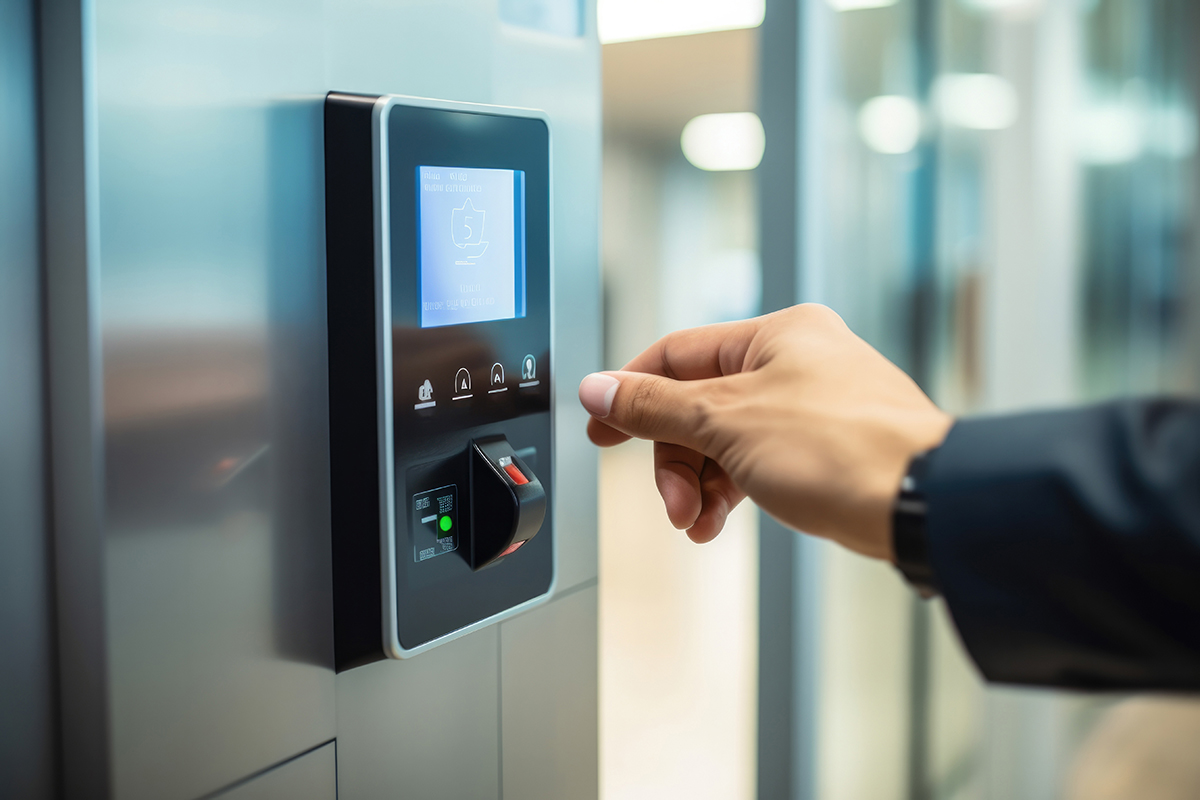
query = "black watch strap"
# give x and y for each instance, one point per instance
(909, 539)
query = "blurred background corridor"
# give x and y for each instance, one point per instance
(998, 194)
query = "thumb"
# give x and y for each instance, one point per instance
(644, 406)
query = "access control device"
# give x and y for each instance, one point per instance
(438, 240)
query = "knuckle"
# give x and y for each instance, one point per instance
(669, 343)
(818, 313)
(644, 404)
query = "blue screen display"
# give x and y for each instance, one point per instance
(471, 244)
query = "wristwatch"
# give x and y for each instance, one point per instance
(909, 539)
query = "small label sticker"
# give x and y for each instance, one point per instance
(435, 522)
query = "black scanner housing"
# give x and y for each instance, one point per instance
(503, 512)
(445, 446)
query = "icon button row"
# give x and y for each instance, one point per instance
(463, 387)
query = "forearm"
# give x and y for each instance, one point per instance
(1067, 544)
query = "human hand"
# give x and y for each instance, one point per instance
(791, 409)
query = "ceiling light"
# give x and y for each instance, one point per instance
(1006, 7)
(722, 142)
(890, 124)
(979, 102)
(628, 20)
(858, 5)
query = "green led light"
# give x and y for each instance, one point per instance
(445, 523)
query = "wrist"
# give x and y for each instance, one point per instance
(910, 547)
(924, 436)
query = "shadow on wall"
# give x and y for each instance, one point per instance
(215, 403)
(298, 392)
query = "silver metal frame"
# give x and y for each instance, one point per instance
(383, 368)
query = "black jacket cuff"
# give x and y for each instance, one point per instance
(1067, 544)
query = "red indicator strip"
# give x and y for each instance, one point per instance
(515, 474)
(512, 548)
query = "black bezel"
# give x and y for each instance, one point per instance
(430, 446)
(424, 137)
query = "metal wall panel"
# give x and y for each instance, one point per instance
(26, 690)
(548, 700)
(424, 728)
(189, 383)
(211, 290)
(312, 776)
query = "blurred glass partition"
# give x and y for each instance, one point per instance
(1001, 196)
(1138, 171)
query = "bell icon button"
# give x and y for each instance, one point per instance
(529, 372)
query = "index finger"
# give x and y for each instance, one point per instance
(710, 351)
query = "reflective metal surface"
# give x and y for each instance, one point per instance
(211, 291)
(426, 727)
(188, 380)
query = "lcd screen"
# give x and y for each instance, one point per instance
(471, 244)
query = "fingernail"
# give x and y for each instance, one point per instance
(596, 392)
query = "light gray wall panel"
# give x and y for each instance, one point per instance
(26, 688)
(424, 728)
(188, 382)
(211, 292)
(548, 690)
(312, 776)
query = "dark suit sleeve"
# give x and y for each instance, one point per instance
(1067, 544)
